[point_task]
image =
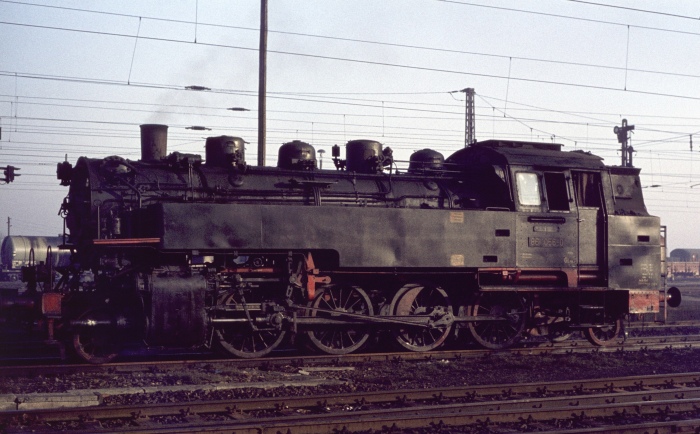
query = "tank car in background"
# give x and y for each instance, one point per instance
(18, 251)
(501, 239)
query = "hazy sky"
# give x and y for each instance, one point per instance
(78, 77)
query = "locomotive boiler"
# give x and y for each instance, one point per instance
(501, 239)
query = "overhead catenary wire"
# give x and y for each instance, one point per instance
(627, 8)
(515, 106)
(392, 44)
(15, 74)
(567, 17)
(324, 57)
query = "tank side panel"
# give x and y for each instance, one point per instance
(363, 237)
(208, 226)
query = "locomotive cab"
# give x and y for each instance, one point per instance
(580, 226)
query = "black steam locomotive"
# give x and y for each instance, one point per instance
(501, 239)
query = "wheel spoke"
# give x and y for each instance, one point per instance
(352, 306)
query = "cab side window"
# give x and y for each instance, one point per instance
(557, 191)
(587, 188)
(528, 185)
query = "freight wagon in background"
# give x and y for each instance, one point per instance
(500, 240)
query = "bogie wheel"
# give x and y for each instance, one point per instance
(98, 343)
(331, 302)
(246, 340)
(426, 300)
(604, 336)
(497, 335)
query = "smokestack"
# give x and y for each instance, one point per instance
(154, 142)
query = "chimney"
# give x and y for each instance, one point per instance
(154, 142)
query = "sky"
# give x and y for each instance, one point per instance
(77, 78)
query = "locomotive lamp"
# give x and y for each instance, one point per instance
(64, 172)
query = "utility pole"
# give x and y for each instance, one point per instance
(469, 121)
(262, 83)
(623, 138)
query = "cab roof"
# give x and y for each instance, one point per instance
(534, 154)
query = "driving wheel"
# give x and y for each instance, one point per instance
(604, 336)
(332, 302)
(97, 343)
(248, 339)
(505, 315)
(423, 300)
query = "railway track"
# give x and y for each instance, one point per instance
(573, 346)
(27, 351)
(665, 403)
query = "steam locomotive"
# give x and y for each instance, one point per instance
(501, 239)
